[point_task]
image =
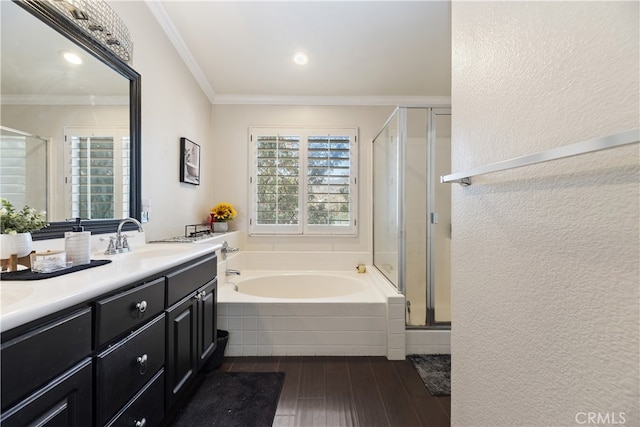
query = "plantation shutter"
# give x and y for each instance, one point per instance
(329, 181)
(92, 177)
(97, 173)
(303, 181)
(276, 181)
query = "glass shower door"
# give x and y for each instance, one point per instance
(412, 211)
(386, 200)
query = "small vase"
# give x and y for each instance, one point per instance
(20, 244)
(220, 227)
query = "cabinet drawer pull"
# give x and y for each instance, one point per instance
(141, 423)
(142, 307)
(203, 294)
(142, 364)
(198, 296)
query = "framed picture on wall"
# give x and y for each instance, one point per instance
(189, 162)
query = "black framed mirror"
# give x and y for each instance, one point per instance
(45, 14)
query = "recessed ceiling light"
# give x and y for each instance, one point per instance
(71, 57)
(301, 57)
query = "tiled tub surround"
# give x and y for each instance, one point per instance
(363, 323)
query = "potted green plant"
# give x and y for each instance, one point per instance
(16, 227)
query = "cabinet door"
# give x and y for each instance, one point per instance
(65, 401)
(181, 360)
(206, 321)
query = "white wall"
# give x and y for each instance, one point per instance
(173, 106)
(230, 165)
(545, 258)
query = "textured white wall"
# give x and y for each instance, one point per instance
(545, 258)
(173, 106)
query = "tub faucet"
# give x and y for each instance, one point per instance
(119, 244)
(230, 272)
(226, 249)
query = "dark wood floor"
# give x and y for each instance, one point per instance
(349, 391)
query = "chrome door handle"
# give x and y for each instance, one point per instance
(140, 423)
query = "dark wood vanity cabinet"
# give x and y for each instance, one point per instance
(124, 368)
(130, 351)
(124, 359)
(191, 328)
(65, 401)
(47, 373)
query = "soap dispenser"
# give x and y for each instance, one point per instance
(77, 244)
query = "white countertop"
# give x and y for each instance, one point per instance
(24, 301)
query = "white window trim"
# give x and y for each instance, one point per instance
(303, 228)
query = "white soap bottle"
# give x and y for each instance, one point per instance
(77, 244)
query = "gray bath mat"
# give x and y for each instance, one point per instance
(435, 371)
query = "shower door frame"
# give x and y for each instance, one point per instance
(432, 181)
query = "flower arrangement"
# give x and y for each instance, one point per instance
(223, 212)
(23, 221)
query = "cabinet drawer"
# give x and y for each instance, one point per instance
(125, 311)
(35, 358)
(125, 367)
(186, 280)
(65, 401)
(146, 408)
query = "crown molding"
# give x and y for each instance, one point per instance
(64, 100)
(160, 13)
(405, 101)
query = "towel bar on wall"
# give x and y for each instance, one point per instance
(591, 145)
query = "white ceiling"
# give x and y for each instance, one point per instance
(33, 71)
(241, 50)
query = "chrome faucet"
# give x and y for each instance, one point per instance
(226, 249)
(230, 272)
(118, 244)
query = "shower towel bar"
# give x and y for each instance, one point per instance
(596, 144)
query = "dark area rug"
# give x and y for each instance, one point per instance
(435, 371)
(230, 399)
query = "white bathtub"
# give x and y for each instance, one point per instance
(305, 313)
(301, 286)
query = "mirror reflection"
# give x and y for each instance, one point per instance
(65, 144)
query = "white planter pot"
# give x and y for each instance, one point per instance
(220, 227)
(20, 244)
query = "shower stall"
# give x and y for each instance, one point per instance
(412, 211)
(23, 168)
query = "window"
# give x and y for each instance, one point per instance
(303, 181)
(97, 181)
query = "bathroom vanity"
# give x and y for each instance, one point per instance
(119, 344)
